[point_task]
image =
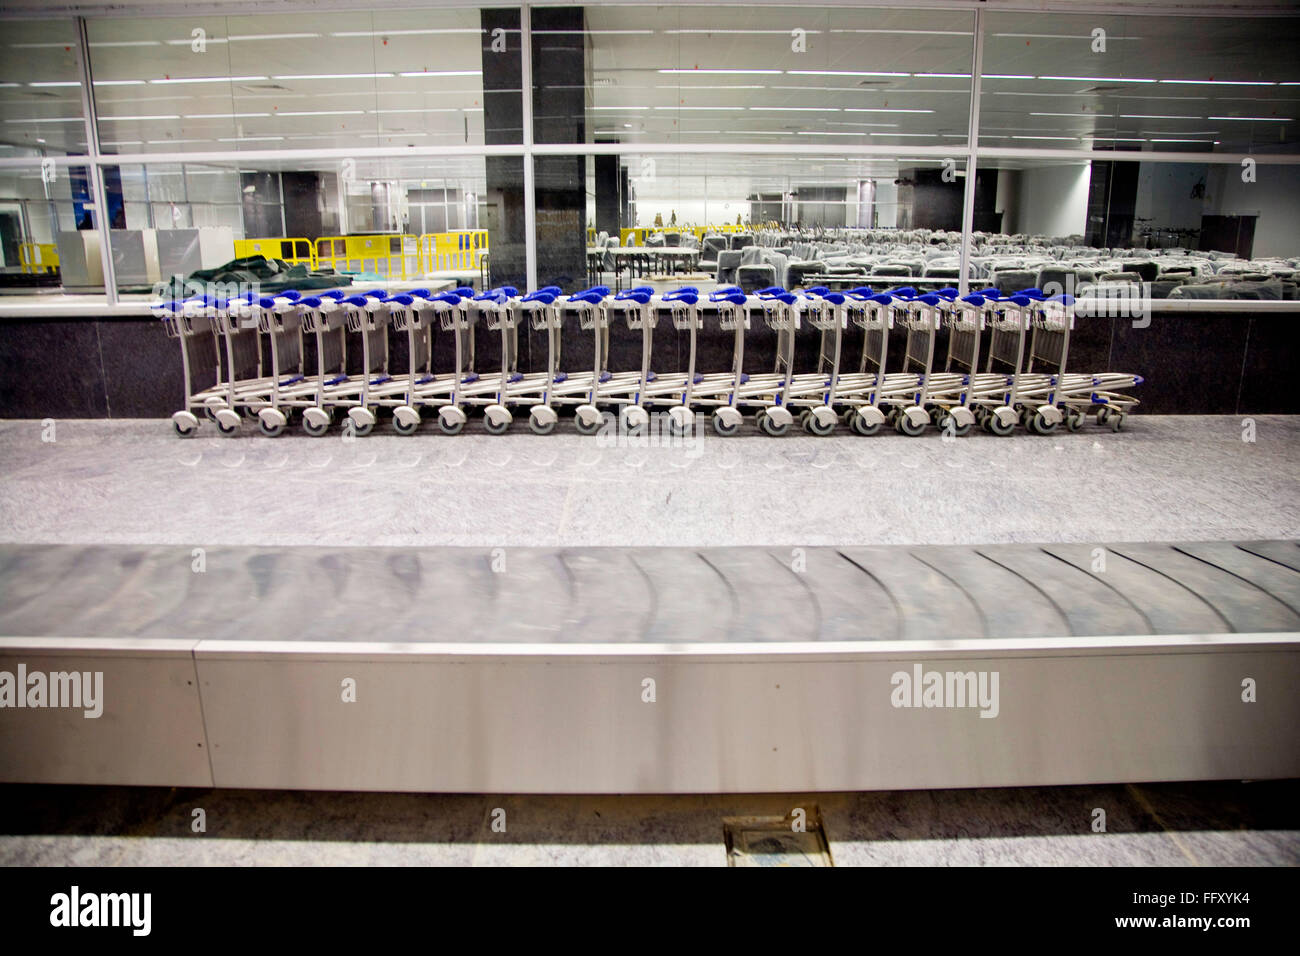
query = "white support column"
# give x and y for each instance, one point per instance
(530, 172)
(972, 145)
(94, 171)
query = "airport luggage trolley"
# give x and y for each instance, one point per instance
(193, 323)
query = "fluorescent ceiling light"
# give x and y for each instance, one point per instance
(1222, 82)
(674, 108)
(1120, 139)
(111, 83)
(429, 109)
(123, 142)
(842, 73)
(1007, 76)
(438, 73)
(954, 76)
(111, 43)
(408, 33)
(732, 86)
(798, 109)
(1155, 116)
(247, 139)
(322, 113)
(1253, 119)
(1181, 141)
(620, 108)
(222, 115)
(1057, 36)
(925, 135)
(1098, 79)
(331, 76)
(741, 72)
(209, 79)
(1079, 114)
(881, 109)
(54, 83)
(172, 142)
(272, 36)
(171, 116)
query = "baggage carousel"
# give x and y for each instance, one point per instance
(654, 669)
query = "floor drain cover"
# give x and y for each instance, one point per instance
(796, 839)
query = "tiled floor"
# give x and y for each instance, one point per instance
(1183, 824)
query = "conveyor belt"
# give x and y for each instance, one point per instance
(651, 595)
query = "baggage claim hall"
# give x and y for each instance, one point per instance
(690, 434)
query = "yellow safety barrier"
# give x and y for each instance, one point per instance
(294, 249)
(388, 255)
(38, 256)
(461, 250)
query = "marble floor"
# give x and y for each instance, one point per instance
(1171, 824)
(1167, 478)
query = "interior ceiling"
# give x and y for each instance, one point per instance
(680, 74)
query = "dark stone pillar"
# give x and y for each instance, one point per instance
(608, 195)
(559, 116)
(503, 124)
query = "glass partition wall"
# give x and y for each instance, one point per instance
(563, 145)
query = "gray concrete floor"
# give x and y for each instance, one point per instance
(1172, 478)
(1170, 824)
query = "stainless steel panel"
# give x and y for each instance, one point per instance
(752, 722)
(151, 730)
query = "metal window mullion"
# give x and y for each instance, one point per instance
(95, 172)
(972, 147)
(530, 171)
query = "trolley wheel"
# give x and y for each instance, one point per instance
(495, 428)
(1103, 414)
(996, 426)
(861, 427)
(227, 430)
(407, 429)
(1041, 425)
(315, 431)
(1027, 416)
(453, 428)
(185, 431)
(1073, 421)
(891, 417)
(848, 417)
(813, 426)
(937, 416)
(905, 427)
(803, 418)
(539, 427)
(722, 428)
(585, 428)
(210, 412)
(961, 431)
(1117, 421)
(769, 427)
(361, 431)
